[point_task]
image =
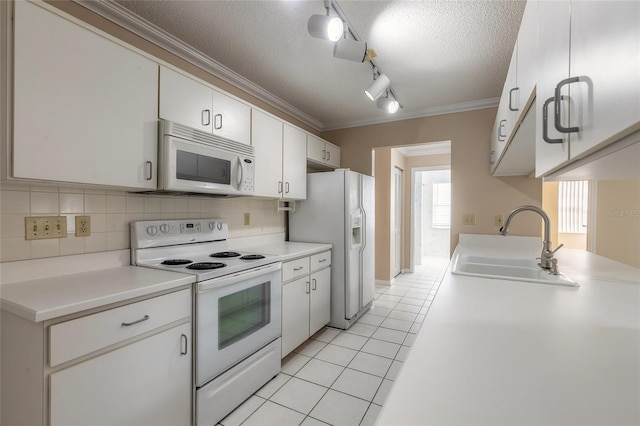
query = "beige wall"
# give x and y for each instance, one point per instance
(474, 190)
(618, 220)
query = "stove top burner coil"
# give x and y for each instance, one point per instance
(206, 265)
(223, 254)
(252, 257)
(175, 262)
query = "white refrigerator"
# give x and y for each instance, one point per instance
(339, 210)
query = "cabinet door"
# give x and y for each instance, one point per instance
(320, 300)
(231, 118)
(553, 66)
(185, 101)
(145, 383)
(294, 163)
(85, 107)
(509, 100)
(333, 155)
(605, 54)
(315, 149)
(267, 139)
(295, 314)
(526, 61)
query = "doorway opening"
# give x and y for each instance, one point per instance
(431, 218)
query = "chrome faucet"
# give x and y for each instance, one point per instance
(547, 261)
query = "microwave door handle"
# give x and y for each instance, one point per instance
(239, 172)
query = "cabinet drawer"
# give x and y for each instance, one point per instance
(320, 260)
(71, 339)
(294, 269)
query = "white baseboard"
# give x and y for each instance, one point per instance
(383, 282)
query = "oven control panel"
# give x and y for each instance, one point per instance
(158, 233)
(189, 228)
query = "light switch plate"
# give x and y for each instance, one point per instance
(45, 227)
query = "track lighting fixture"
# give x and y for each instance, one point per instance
(388, 104)
(380, 83)
(325, 26)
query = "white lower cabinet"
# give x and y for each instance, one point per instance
(306, 298)
(128, 365)
(144, 383)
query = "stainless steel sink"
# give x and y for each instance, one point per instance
(505, 268)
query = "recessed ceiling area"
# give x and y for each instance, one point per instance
(441, 56)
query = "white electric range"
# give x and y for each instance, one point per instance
(237, 307)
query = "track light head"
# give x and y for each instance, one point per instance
(326, 27)
(377, 88)
(388, 104)
(350, 50)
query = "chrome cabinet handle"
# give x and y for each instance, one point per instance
(328, 155)
(127, 324)
(322, 260)
(324, 154)
(217, 121)
(491, 160)
(308, 287)
(150, 174)
(299, 268)
(206, 113)
(510, 93)
(500, 135)
(545, 119)
(315, 284)
(557, 97)
(286, 187)
(279, 187)
(184, 344)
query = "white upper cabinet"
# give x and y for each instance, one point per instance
(322, 154)
(516, 95)
(196, 105)
(294, 167)
(84, 107)
(267, 141)
(588, 80)
(605, 56)
(280, 149)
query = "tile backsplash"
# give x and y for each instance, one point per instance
(111, 212)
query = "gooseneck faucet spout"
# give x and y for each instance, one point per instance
(547, 260)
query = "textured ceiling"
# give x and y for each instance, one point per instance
(438, 54)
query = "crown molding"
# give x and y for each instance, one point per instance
(123, 17)
(426, 112)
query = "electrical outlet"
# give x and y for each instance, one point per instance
(247, 219)
(499, 220)
(469, 219)
(83, 226)
(44, 227)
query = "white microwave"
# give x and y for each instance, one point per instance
(194, 162)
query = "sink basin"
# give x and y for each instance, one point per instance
(504, 268)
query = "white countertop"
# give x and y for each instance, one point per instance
(289, 250)
(47, 298)
(499, 352)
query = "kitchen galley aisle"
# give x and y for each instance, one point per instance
(342, 377)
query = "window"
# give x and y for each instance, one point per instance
(441, 206)
(573, 206)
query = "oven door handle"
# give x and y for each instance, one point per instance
(239, 277)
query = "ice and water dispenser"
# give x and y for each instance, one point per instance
(356, 231)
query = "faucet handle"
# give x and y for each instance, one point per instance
(557, 248)
(553, 270)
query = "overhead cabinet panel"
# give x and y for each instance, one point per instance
(189, 102)
(85, 107)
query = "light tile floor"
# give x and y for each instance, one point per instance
(342, 377)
